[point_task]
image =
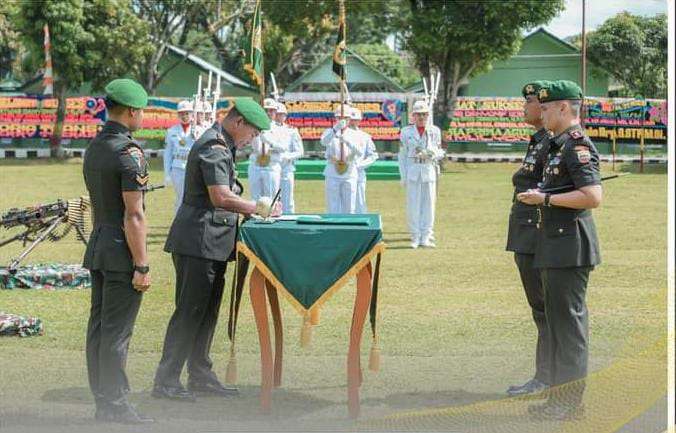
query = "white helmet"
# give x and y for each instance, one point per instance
(420, 107)
(346, 111)
(269, 104)
(184, 106)
(355, 113)
(204, 107)
(281, 108)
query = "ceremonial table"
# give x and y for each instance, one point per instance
(307, 259)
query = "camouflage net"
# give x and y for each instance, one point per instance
(46, 276)
(14, 325)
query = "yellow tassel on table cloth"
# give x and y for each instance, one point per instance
(314, 316)
(374, 358)
(306, 331)
(231, 370)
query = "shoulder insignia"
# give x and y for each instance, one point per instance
(136, 154)
(583, 154)
(576, 134)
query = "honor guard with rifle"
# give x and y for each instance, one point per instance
(369, 157)
(522, 235)
(116, 175)
(343, 152)
(265, 162)
(419, 151)
(201, 241)
(567, 247)
(292, 143)
(178, 142)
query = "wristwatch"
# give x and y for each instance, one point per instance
(142, 269)
(548, 197)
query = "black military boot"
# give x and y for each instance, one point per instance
(531, 387)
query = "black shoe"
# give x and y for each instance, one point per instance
(556, 412)
(213, 388)
(173, 393)
(123, 414)
(533, 386)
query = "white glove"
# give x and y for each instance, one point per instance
(340, 125)
(263, 206)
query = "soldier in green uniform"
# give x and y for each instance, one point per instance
(202, 240)
(567, 248)
(116, 175)
(522, 234)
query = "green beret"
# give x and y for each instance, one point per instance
(559, 91)
(252, 113)
(127, 92)
(532, 88)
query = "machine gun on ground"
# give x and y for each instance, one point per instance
(51, 222)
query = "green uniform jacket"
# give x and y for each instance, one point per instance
(567, 237)
(522, 232)
(113, 163)
(200, 229)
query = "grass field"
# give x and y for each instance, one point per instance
(455, 328)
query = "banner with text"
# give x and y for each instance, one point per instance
(381, 119)
(34, 117)
(500, 120)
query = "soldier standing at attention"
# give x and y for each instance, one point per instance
(419, 151)
(522, 235)
(202, 241)
(116, 175)
(567, 247)
(178, 141)
(342, 153)
(265, 169)
(369, 157)
(292, 143)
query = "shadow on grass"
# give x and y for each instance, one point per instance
(430, 400)
(647, 168)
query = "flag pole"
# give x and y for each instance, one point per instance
(583, 80)
(262, 83)
(343, 80)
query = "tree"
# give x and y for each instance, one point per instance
(189, 24)
(93, 41)
(10, 44)
(298, 34)
(388, 62)
(461, 38)
(633, 49)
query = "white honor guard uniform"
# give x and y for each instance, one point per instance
(342, 157)
(203, 121)
(291, 141)
(418, 156)
(265, 161)
(369, 157)
(178, 142)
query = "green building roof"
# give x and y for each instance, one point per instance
(361, 77)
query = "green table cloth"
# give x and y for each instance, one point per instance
(310, 258)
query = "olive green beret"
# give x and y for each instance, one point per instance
(532, 88)
(252, 113)
(559, 90)
(127, 92)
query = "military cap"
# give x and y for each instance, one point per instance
(252, 113)
(533, 87)
(559, 91)
(127, 92)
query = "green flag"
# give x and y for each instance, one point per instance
(254, 48)
(339, 54)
